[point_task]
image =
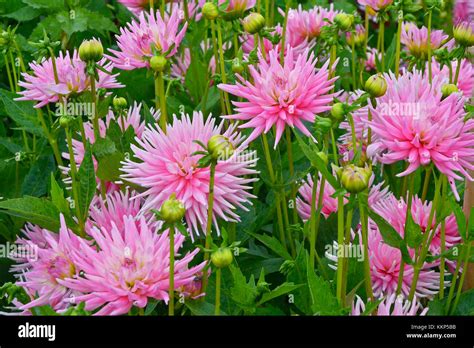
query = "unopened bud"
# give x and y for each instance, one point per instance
(376, 86)
(355, 179)
(253, 23)
(220, 147)
(158, 63)
(448, 89)
(464, 34)
(172, 210)
(222, 257)
(210, 11)
(344, 21)
(91, 50)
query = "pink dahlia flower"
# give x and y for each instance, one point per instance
(282, 95)
(391, 306)
(127, 268)
(306, 25)
(144, 35)
(42, 273)
(466, 75)
(166, 165)
(236, 8)
(41, 85)
(412, 122)
(463, 11)
(304, 200)
(376, 5)
(372, 56)
(416, 39)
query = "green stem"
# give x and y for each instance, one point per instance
(218, 292)
(291, 166)
(271, 172)
(7, 65)
(398, 46)
(171, 275)
(458, 69)
(365, 244)
(283, 34)
(444, 194)
(426, 184)
(312, 238)
(222, 64)
(75, 192)
(162, 8)
(210, 210)
(15, 77)
(340, 244)
(216, 58)
(354, 73)
(430, 71)
(186, 10)
(463, 276)
(160, 82)
(382, 43)
(454, 280)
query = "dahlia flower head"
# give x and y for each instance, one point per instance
(415, 39)
(392, 305)
(282, 95)
(466, 75)
(413, 122)
(164, 163)
(376, 5)
(306, 25)
(236, 7)
(128, 268)
(149, 32)
(372, 56)
(41, 272)
(41, 86)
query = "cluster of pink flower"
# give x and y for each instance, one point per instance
(123, 261)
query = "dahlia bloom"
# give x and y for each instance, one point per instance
(372, 56)
(166, 165)
(416, 39)
(463, 11)
(145, 34)
(236, 8)
(127, 268)
(466, 75)
(282, 95)
(41, 85)
(41, 276)
(412, 122)
(304, 200)
(376, 5)
(306, 25)
(391, 306)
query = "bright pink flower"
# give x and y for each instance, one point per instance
(463, 11)
(41, 85)
(412, 122)
(41, 274)
(416, 39)
(392, 305)
(166, 165)
(282, 95)
(306, 25)
(376, 5)
(304, 200)
(144, 35)
(128, 268)
(466, 75)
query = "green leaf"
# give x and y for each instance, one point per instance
(413, 234)
(22, 112)
(278, 291)
(87, 183)
(323, 301)
(273, 244)
(46, 4)
(460, 218)
(200, 308)
(24, 14)
(35, 210)
(109, 167)
(57, 197)
(243, 293)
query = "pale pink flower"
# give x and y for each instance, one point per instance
(148, 33)
(391, 306)
(463, 11)
(306, 25)
(236, 8)
(416, 39)
(372, 56)
(376, 5)
(282, 95)
(304, 199)
(413, 122)
(41, 84)
(466, 75)
(128, 268)
(43, 270)
(165, 164)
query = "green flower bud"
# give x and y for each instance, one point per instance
(119, 103)
(324, 124)
(158, 63)
(237, 67)
(338, 112)
(210, 11)
(253, 23)
(220, 147)
(172, 210)
(91, 50)
(344, 21)
(464, 34)
(355, 179)
(448, 89)
(222, 257)
(65, 121)
(376, 86)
